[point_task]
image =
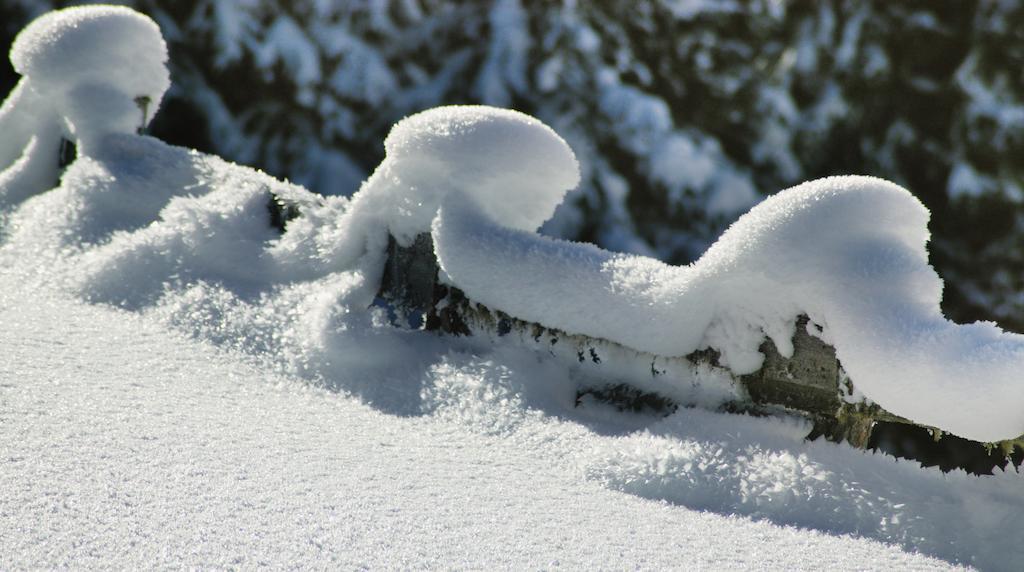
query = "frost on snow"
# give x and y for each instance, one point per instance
(86, 71)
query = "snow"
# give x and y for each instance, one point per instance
(299, 426)
(287, 44)
(91, 63)
(28, 150)
(362, 74)
(690, 9)
(127, 446)
(687, 164)
(964, 180)
(184, 385)
(82, 70)
(849, 252)
(643, 118)
(504, 71)
(491, 177)
(515, 167)
(680, 161)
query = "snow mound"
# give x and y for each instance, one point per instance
(87, 71)
(849, 252)
(212, 223)
(513, 166)
(92, 63)
(146, 214)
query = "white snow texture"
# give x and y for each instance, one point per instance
(86, 71)
(182, 240)
(91, 63)
(515, 168)
(849, 252)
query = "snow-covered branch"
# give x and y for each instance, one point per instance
(849, 252)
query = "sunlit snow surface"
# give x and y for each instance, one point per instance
(209, 265)
(298, 426)
(124, 445)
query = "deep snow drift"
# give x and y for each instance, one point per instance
(185, 240)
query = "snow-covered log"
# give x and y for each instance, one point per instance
(809, 382)
(836, 263)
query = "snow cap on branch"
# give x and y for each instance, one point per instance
(103, 68)
(516, 168)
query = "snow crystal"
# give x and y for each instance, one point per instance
(496, 395)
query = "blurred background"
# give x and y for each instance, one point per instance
(684, 113)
